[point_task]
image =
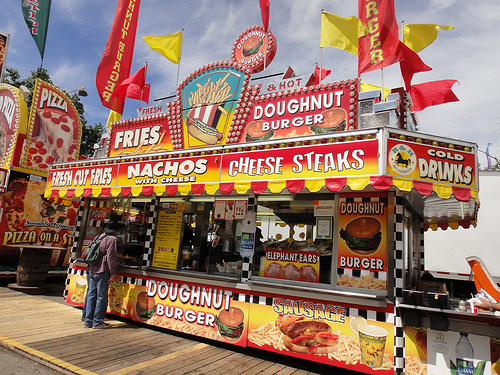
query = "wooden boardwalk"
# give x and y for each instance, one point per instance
(52, 333)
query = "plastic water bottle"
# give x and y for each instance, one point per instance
(465, 355)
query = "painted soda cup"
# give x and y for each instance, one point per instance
(80, 286)
(372, 341)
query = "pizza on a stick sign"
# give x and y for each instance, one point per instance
(54, 131)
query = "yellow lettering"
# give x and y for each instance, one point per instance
(126, 25)
(106, 95)
(371, 7)
(375, 41)
(114, 76)
(129, 12)
(377, 55)
(110, 86)
(7, 237)
(372, 25)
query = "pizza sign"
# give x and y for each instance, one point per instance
(54, 132)
(12, 117)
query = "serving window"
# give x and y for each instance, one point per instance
(130, 213)
(289, 248)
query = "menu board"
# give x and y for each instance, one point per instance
(166, 251)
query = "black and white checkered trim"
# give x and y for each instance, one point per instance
(246, 266)
(399, 335)
(150, 232)
(76, 235)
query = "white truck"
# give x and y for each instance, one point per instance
(445, 251)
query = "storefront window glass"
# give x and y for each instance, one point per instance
(131, 214)
(288, 246)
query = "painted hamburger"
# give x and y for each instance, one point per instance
(306, 335)
(362, 235)
(145, 306)
(254, 132)
(251, 46)
(230, 323)
(334, 120)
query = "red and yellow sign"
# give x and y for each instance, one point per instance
(255, 48)
(190, 308)
(54, 132)
(328, 335)
(140, 138)
(213, 313)
(431, 163)
(13, 116)
(362, 248)
(304, 112)
(314, 161)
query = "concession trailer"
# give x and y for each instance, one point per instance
(273, 214)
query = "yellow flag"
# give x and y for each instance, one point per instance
(419, 36)
(342, 33)
(113, 117)
(369, 87)
(166, 45)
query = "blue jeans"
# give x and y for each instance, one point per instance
(97, 298)
(84, 309)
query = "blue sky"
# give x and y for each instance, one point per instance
(78, 31)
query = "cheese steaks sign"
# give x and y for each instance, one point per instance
(314, 161)
(431, 163)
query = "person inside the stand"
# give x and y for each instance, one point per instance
(101, 276)
(485, 304)
(134, 251)
(188, 238)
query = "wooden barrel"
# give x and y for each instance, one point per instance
(33, 267)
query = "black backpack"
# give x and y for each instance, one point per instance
(93, 252)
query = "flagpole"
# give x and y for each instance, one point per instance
(402, 31)
(320, 54)
(382, 74)
(143, 82)
(180, 58)
(320, 64)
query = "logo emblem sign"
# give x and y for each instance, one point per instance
(255, 48)
(402, 159)
(208, 104)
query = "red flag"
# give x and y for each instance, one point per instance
(264, 11)
(410, 65)
(320, 74)
(116, 59)
(427, 94)
(134, 87)
(380, 47)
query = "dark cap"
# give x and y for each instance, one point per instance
(112, 226)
